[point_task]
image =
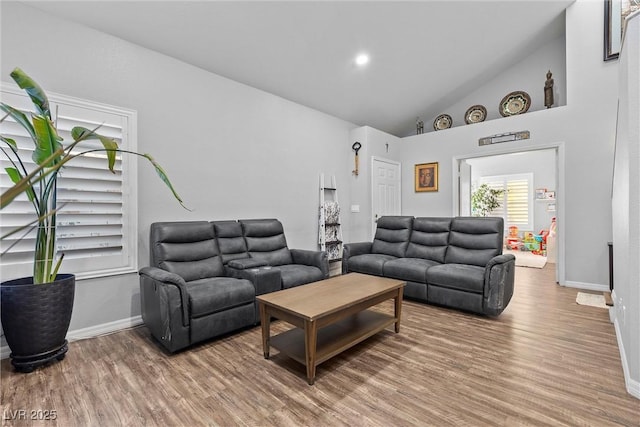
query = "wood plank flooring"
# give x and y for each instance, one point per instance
(546, 361)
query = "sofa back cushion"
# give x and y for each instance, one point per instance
(230, 240)
(265, 240)
(475, 240)
(429, 239)
(392, 235)
(187, 249)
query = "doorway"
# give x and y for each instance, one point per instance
(385, 189)
(538, 170)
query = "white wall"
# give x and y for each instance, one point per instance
(626, 209)
(541, 163)
(232, 151)
(528, 75)
(585, 127)
(378, 144)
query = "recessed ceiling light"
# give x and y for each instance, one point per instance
(362, 59)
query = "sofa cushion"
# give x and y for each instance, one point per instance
(230, 240)
(208, 296)
(298, 274)
(369, 263)
(187, 249)
(429, 239)
(468, 278)
(461, 300)
(265, 240)
(474, 240)
(408, 269)
(392, 235)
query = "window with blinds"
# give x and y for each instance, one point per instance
(96, 221)
(517, 198)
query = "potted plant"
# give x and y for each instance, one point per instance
(485, 200)
(36, 310)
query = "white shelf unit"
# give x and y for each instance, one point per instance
(330, 230)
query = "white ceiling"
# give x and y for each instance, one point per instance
(424, 54)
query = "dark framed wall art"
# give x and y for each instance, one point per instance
(612, 28)
(615, 12)
(426, 177)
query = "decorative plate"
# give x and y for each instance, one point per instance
(475, 114)
(443, 121)
(515, 103)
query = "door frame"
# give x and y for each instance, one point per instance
(375, 159)
(559, 148)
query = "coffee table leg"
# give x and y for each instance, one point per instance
(310, 340)
(398, 309)
(265, 321)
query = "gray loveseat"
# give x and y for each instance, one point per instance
(204, 276)
(454, 262)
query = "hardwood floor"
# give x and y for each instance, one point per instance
(546, 361)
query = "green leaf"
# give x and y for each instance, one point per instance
(19, 117)
(79, 133)
(10, 142)
(163, 176)
(16, 177)
(47, 141)
(35, 92)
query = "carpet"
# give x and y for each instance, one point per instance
(527, 259)
(594, 300)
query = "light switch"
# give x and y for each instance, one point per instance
(355, 208)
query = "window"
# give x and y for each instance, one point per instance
(97, 222)
(516, 207)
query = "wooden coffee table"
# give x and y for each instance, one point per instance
(331, 316)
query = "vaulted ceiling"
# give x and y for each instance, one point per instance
(424, 55)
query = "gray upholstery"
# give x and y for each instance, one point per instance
(204, 276)
(368, 263)
(475, 240)
(185, 295)
(468, 278)
(409, 269)
(455, 262)
(392, 235)
(230, 240)
(265, 240)
(429, 239)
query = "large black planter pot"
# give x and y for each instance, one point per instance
(35, 319)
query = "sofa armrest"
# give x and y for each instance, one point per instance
(244, 263)
(165, 278)
(318, 259)
(353, 249)
(499, 277)
(263, 279)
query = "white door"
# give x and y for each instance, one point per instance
(464, 181)
(385, 184)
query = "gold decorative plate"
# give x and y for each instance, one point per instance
(514, 103)
(443, 121)
(475, 114)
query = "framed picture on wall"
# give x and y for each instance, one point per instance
(615, 12)
(612, 29)
(426, 177)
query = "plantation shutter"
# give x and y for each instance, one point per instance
(96, 224)
(516, 207)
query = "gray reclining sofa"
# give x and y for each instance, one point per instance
(204, 276)
(454, 262)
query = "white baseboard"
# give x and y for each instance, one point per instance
(90, 332)
(586, 286)
(633, 386)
